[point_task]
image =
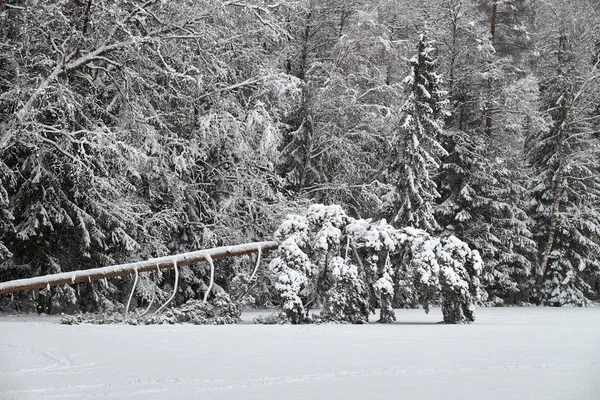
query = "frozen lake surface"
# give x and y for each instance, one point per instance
(508, 353)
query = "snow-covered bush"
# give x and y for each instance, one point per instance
(459, 272)
(99, 318)
(372, 242)
(348, 267)
(421, 274)
(292, 270)
(271, 319)
(446, 270)
(384, 288)
(220, 311)
(347, 299)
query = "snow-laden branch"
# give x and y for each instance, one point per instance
(21, 113)
(247, 82)
(166, 262)
(258, 12)
(75, 61)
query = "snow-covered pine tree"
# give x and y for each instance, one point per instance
(506, 241)
(566, 185)
(313, 34)
(481, 181)
(416, 147)
(379, 249)
(347, 299)
(483, 203)
(442, 271)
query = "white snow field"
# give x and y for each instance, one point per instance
(507, 354)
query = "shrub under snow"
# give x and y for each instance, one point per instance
(348, 267)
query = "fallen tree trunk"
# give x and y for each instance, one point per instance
(166, 262)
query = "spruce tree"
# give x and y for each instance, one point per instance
(482, 205)
(566, 185)
(481, 181)
(563, 193)
(416, 147)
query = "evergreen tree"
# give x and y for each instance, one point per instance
(566, 184)
(416, 147)
(483, 202)
(347, 299)
(481, 181)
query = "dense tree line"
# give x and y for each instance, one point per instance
(133, 129)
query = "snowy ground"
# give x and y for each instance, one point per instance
(508, 354)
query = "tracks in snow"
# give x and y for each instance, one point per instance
(50, 361)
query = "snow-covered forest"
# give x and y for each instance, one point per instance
(439, 152)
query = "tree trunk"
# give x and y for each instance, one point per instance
(493, 21)
(559, 188)
(304, 50)
(488, 105)
(167, 262)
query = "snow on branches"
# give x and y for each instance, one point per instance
(349, 267)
